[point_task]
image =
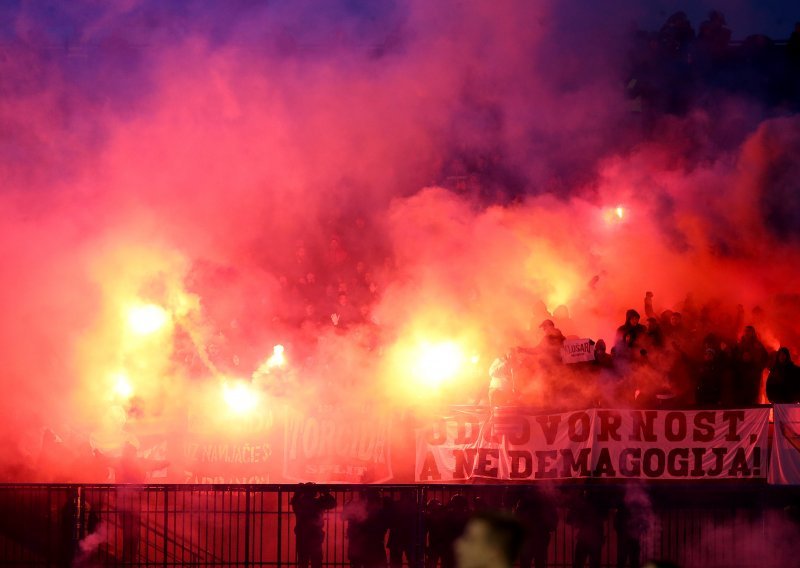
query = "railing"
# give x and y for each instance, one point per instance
(707, 524)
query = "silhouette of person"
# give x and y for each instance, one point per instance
(435, 531)
(366, 529)
(537, 512)
(308, 506)
(587, 516)
(455, 520)
(402, 529)
(751, 360)
(783, 384)
(630, 524)
(131, 469)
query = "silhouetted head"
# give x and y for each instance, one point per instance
(458, 503)
(783, 357)
(632, 317)
(600, 347)
(306, 489)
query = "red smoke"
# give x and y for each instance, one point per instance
(210, 176)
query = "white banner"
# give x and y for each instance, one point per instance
(598, 443)
(785, 463)
(577, 351)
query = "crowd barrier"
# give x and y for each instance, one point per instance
(724, 524)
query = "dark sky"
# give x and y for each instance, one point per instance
(774, 18)
(75, 22)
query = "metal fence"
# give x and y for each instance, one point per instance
(191, 525)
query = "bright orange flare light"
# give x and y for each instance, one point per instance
(620, 212)
(277, 359)
(146, 319)
(240, 396)
(122, 386)
(437, 363)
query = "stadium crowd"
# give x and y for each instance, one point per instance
(693, 357)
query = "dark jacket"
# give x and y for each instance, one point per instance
(783, 384)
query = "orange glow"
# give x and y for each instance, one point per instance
(435, 364)
(277, 359)
(615, 215)
(240, 396)
(147, 319)
(555, 276)
(122, 386)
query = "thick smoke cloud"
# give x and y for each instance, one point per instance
(210, 160)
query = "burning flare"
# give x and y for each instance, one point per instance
(437, 363)
(240, 396)
(122, 386)
(147, 319)
(278, 359)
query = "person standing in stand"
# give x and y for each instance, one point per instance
(435, 532)
(587, 515)
(536, 511)
(366, 530)
(309, 506)
(402, 529)
(133, 470)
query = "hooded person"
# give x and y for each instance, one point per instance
(751, 360)
(631, 332)
(552, 340)
(783, 383)
(602, 359)
(674, 327)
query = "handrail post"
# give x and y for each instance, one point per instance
(166, 523)
(419, 545)
(280, 525)
(247, 527)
